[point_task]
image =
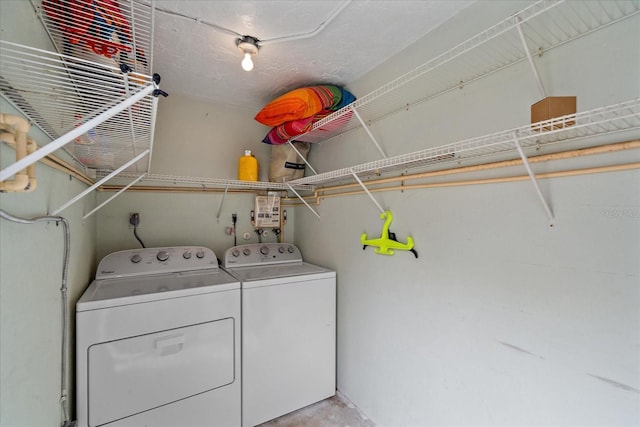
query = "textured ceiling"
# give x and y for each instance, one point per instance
(196, 59)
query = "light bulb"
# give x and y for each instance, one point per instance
(247, 63)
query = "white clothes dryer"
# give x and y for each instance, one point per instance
(288, 330)
(158, 341)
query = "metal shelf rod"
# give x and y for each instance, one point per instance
(368, 131)
(532, 176)
(543, 92)
(366, 190)
(102, 181)
(303, 200)
(290, 142)
(114, 196)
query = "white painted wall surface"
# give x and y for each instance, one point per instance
(501, 320)
(31, 258)
(198, 139)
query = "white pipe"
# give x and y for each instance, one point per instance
(19, 140)
(19, 184)
(99, 183)
(311, 33)
(74, 133)
(31, 169)
(122, 190)
(64, 403)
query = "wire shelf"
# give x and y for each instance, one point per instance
(615, 118)
(217, 183)
(545, 24)
(107, 32)
(60, 92)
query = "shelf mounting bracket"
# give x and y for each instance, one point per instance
(366, 190)
(99, 183)
(303, 200)
(532, 176)
(290, 142)
(543, 92)
(122, 190)
(366, 129)
(226, 189)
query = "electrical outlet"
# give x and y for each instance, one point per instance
(134, 220)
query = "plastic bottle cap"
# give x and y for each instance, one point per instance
(247, 152)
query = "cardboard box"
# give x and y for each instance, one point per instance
(552, 107)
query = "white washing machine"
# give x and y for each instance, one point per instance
(158, 341)
(288, 330)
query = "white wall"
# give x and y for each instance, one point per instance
(31, 260)
(501, 320)
(193, 138)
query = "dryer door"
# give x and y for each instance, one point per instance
(136, 374)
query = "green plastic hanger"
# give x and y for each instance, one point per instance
(386, 243)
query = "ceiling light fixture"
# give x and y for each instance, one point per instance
(248, 46)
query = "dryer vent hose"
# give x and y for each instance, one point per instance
(63, 290)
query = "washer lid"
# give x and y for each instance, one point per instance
(264, 272)
(134, 290)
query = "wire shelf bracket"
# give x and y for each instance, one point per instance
(534, 181)
(543, 92)
(368, 131)
(122, 190)
(226, 190)
(303, 200)
(366, 190)
(100, 182)
(306, 162)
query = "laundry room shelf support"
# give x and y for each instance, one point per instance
(102, 181)
(122, 190)
(366, 190)
(530, 58)
(306, 162)
(303, 200)
(368, 131)
(226, 190)
(525, 162)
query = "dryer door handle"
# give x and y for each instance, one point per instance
(171, 344)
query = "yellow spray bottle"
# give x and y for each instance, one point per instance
(247, 167)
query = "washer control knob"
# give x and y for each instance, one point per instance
(235, 253)
(246, 251)
(281, 249)
(162, 256)
(264, 250)
(186, 255)
(136, 258)
(200, 253)
(291, 249)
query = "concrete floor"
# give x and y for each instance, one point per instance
(332, 412)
